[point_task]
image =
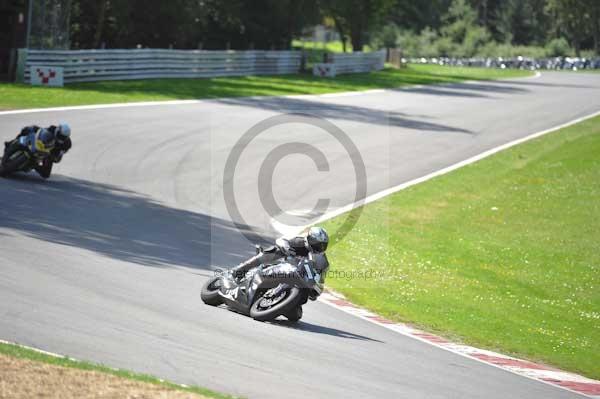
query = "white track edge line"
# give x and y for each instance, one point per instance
(342, 308)
(447, 169)
(36, 350)
(198, 101)
(59, 356)
(350, 207)
(100, 106)
(430, 176)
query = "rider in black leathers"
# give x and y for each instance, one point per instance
(315, 241)
(62, 138)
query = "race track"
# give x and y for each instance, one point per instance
(104, 262)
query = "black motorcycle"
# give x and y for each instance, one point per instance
(22, 154)
(270, 291)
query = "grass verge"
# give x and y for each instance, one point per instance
(15, 351)
(17, 96)
(502, 254)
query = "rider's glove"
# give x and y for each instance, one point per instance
(284, 246)
(58, 157)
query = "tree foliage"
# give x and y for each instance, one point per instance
(507, 28)
(210, 24)
(356, 18)
(444, 27)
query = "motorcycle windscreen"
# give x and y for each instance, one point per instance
(321, 264)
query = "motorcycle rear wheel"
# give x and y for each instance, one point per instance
(210, 292)
(260, 312)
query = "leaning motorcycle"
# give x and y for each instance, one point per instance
(23, 154)
(269, 291)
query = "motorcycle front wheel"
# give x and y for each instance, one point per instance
(13, 163)
(210, 292)
(269, 307)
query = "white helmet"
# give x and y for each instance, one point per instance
(64, 130)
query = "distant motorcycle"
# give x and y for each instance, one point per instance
(23, 154)
(269, 291)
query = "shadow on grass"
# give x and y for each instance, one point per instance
(236, 90)
(268, 85)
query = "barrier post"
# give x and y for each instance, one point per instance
(21, 65)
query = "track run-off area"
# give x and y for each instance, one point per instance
(104, 261)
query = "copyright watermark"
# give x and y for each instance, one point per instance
(316, 152)
(348, 275)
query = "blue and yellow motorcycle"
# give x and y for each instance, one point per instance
(26, 152)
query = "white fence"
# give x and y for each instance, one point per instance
(96, 65)
(358, 62)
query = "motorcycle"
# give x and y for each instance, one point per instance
(22, 154)
(269, 291)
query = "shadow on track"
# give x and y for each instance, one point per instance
(304, 326)
(471, 89)
(114, 222)
(549, 85)
(342, 112)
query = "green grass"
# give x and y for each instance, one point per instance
(15, 96)
(502, 254)
(24, 353)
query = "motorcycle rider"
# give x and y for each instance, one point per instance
(59, 136)
(315, 241)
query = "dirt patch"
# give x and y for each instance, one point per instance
(21, 378)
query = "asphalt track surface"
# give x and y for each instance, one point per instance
(104, 262)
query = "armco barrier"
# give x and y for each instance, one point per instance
(97, 65)
(358, 62)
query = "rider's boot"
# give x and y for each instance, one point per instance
(264, 257)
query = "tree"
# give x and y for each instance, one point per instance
(100, 22)
(356, 17)
(218, 24)
(594, 9)
(387, 38)
(519, 22)
(389, 35)
(418, 15)
(459, 19)
(460, 26)
(572, 19)
(274, 23)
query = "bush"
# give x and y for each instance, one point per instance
(558, 48)
(475, 39)
(445, 47)
(421, 45)
(461, 36)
